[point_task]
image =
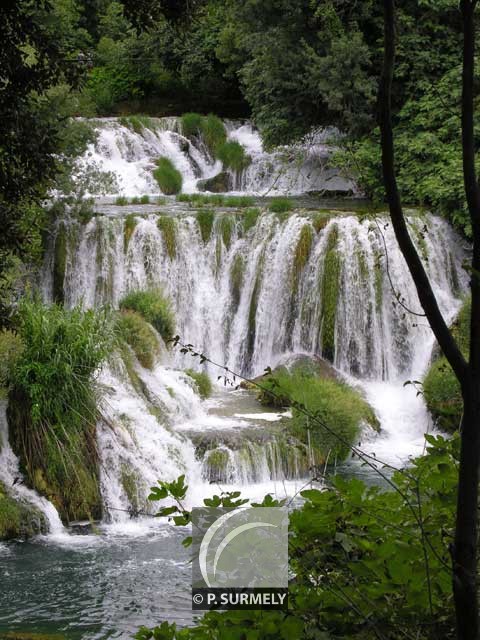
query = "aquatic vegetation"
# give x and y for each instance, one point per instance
(216, 462)
(145, 199)
(203, 384)
(232, 155)
(226, 225)
(239, 201)
(167, 226)
(320, 220)
(216, 199)
(441, 388)
(168, 178)
(132, 328)
(249, 218)
(237, 274)
(191, 124)
(59, 261)
(128, 229)
(302, 254)
(54, 433)
(205, 218)
(121, 201)
(280, 205)
(214, 132)
(18, 519)
(154, 307)
(10, 349)
(330, 290)
(340, 407)
(136, 123)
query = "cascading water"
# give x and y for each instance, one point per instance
(127, 156)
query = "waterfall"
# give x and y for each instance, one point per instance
(127, 154)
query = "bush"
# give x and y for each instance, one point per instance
(52, 403)
(203, 383)
(341, 408)
(232, 155)
(281, 205)
(441, 388)
(191, 124)
(154, 307)
(133, 329)
(169, 179)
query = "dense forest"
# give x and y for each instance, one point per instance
(314, 311)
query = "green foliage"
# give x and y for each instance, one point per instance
(128, 229)
(10, 350)
(202, 382)
(154, 307)
(226, 225)
(237, 274)
(205, 218)
(232, 155)
(340, 408)
(215, 199)
(441, 388)
(133, 329)
(169, 179)
(145, 199)
(191, 124)
(280, 205)
(54, 433)
(167, 226)
(18, 519)
(249, 218)
(330, 289)
(214, 133)
(121, 201)
(302, 253)
(239, 201)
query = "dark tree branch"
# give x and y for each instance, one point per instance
(424, 289)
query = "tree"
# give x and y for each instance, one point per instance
(464, 549)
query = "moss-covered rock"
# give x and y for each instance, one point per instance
(154, 307)
(140, 336)
(220, 183)
(202, 383)
(128, 229)
(167, 226)
(59, 262)
(18, 519)
(205, 219)
(237, 274)
(329, 291)
(440, 387)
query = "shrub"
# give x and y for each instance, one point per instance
(239, 201)
(232, 155)
(281, 205)
(145, 199)
(121, 201)
(169, 179)
(341, 408)
(154, 307)
(205, 218)
(191, 124)
(202, 382)
(214, 133)
(139, 335)
(440, 387)
(52, 403)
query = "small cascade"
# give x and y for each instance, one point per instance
(11, 477)
(125, 152)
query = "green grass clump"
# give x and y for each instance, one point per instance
(239, 201)
(154, 307)
(441, 388)
(341, 408)
(232, 155)
(128, 229)
(52, 406)
(60, 261)
(135, 200)
(302, 253)
(203, 384)
(215, 199)
(214, 133)
(121, 201)
(10, 350)
(145, 199)
(136, 123)
(191, 124)
(249, 218)
(133, 329)
(237, 274)
(205, 218)
(168, 178)
(226, 225)
(330, 289)
(167, 226)
(280, 205)
(17, 519)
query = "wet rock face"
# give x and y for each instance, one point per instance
(220, 183)
(18, 518)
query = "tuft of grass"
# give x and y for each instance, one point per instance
(302, 253)
(191, 124)
(216, 199)
(280, 205)
(135, 200)
(133, 329)
(154, 307)
(128, 229)
(320, 220)
(167, 226)
(52, 407)
(226, 225)
(249, 218)
(10, 350)
(336, 404)
(168, 178)
(239, 201)
(205, 218)
(237, 274)
(233, 156)
(214, 133)
(203, 384)
(121, 201)
(330, 292)
(145, 199)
